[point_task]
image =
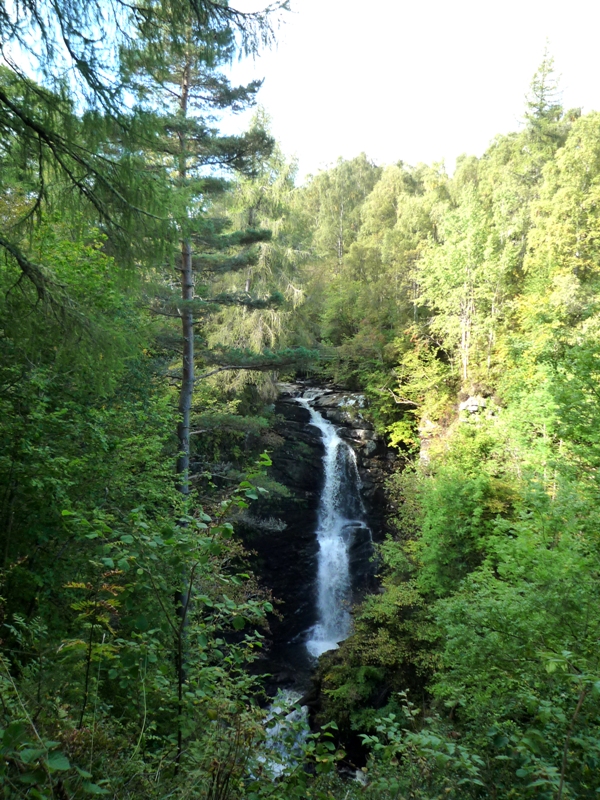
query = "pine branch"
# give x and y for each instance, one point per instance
(32, 271)
(62, 149)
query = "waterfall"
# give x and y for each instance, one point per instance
(340, 518)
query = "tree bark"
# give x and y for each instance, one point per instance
(187, 317)
(185, 400)
(565, 757)
(187, 382)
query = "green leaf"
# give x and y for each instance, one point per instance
(57, 762)
(31, 754)
(83, 773)
(36, 776)
(93, 788)
(203, 598)
(142, 623)
(14, 734)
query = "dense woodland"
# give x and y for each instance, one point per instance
(157, 280)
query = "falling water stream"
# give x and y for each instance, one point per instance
(341, 517)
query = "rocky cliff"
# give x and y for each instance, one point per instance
(286, 552)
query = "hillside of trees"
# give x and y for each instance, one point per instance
(157, 279)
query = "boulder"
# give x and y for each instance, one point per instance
(473, 404)
(353, 435)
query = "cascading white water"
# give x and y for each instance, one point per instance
(287, 728)
(341, 513)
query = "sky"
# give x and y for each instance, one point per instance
(424, 80)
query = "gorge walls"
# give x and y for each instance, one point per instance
(287, 546)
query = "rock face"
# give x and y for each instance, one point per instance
(473, 404)
(286, 559)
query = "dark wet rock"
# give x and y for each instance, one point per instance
(360, 435)
(286, 560)
(311, 697)
(339, 400)
(292, 412)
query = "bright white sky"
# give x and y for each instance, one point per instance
(416, 80)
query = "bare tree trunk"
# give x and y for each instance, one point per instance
(187, 382)
(466, 325)
(187, 317)
(185, 403)
(340, 241)
(565, 757)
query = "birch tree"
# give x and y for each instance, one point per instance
(461, 282)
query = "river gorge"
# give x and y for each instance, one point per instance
(316, 556)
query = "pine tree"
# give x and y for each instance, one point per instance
(76, 124)
(547, 122)
(544, 106)
(181, 78)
